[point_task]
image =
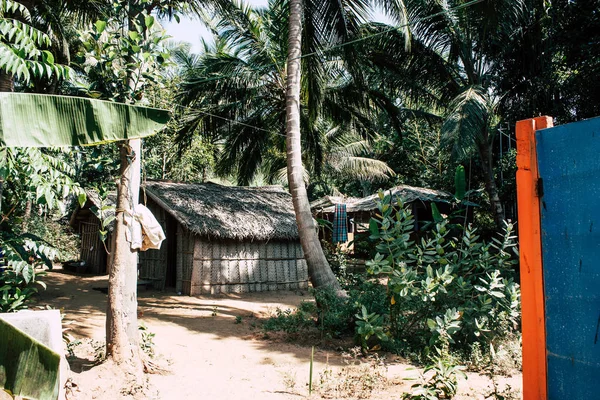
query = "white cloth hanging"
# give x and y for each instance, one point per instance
(144, 230)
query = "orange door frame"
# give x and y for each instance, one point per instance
(530, 243)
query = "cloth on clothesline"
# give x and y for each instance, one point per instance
(340, 224)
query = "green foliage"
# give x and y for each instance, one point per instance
(250, 51)
(22, 53)
(20, 255)
(120, 64)
(445, 288)
(290, 321)
(442, 384)
(335, 314)
(39, 180)
(38, 175)
(146, 340)
(16, 289)
(59, 234)
(367, 325)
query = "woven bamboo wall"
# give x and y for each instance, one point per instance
(153, 263)
(92, 249)
(238, 267)
(208, 267)
(185, 259)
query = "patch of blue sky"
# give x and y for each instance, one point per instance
(192, 30)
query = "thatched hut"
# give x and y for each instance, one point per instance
(361, 210)
(85, 221)
(222, 239)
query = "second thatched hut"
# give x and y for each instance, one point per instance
(223, 239)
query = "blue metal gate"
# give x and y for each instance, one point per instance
(569, 170)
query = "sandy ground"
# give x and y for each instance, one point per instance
(211, 356)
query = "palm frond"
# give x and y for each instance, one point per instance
(467, 121)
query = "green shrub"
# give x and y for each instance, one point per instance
(369, 325)
(335, 315)
(289, 321)
(332, 315)
(59, 234)
(20, 257)
(449, 286)
(16, 290)
(442, 384)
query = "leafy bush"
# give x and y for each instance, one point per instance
(332, 315)
(289, 321)
(449, 287)
(20, 255)
(443, 384)
(16, 290)
(369, 325)
(57, 232)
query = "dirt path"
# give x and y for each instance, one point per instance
(209, 355)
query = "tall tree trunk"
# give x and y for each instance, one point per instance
(485, 154)
(26, 215)
(7, 82)
(121, 316)
(122, 334)
(318, 268)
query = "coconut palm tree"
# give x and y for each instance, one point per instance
(325, 23)
(250, 50)
(246, 114)
(450, 71)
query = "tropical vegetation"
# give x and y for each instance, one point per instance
(316, 96)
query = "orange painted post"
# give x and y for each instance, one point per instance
(530, 250)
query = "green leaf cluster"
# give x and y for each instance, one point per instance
(367, 325)
(22, 46)
(120, 64)
(41, 180)
(446, 286)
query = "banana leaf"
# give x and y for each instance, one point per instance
(27, 367)
(37, 120)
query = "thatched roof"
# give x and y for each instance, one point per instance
(408, 194)
(93, 199)
(228, 212)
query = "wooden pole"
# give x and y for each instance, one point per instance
(530, 250)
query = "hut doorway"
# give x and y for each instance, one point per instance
(171, 242)
(92, 249)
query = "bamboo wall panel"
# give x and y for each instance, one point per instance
(212, 267)
(153, 263)
(243, 268)
(179, 257)
(93, 251)
(185, 260)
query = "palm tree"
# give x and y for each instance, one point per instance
(450, 71)
(326, 22)
(250, 50)
(245, 115)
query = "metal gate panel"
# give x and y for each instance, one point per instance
(569, 170)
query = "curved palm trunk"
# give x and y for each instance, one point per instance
(318, 268)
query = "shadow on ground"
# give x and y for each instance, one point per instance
(84, 309)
